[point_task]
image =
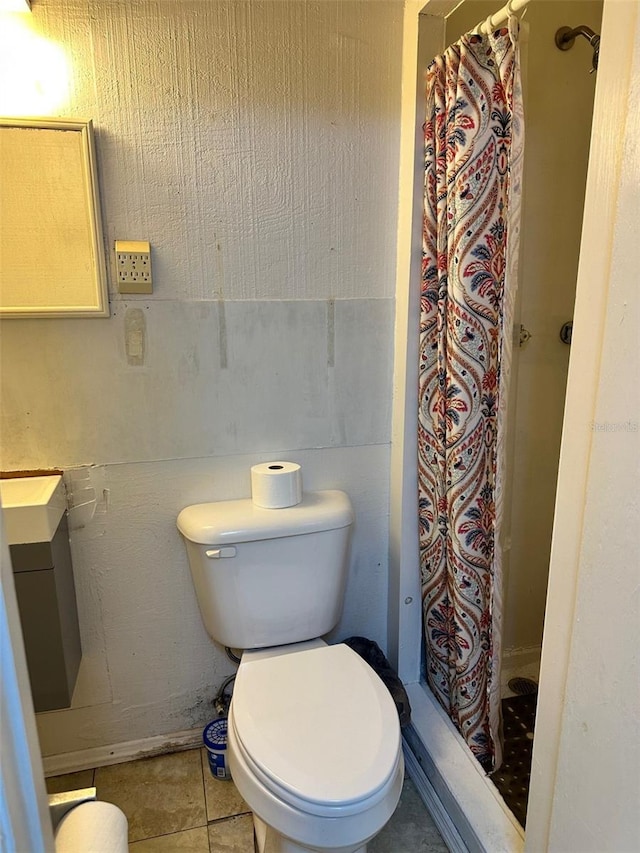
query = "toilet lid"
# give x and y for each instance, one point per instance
(319, 723)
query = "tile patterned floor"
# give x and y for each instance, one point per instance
(173, 803)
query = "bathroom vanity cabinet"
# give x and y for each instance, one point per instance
(49, 615)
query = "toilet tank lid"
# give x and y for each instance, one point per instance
(228, 522)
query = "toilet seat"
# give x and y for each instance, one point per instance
(316, 727)
(303, 805)
(337, 831)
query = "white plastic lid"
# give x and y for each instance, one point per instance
(229, 522)
(320, 723)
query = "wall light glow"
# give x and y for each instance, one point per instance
(15, 6)
(34, 72)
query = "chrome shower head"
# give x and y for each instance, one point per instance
(566, 37)
(596, 54)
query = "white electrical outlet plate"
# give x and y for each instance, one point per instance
(133, 266)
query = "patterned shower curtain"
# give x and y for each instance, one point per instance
(473, 166)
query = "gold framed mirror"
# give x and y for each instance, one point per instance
(52, 261)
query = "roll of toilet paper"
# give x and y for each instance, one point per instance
(95, 826)
(275, 485)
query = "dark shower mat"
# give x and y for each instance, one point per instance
(513, 776)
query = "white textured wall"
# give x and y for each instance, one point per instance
(558, 110)
(252, 142)
(255, 146)
(217, 378)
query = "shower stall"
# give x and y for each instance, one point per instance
(558, 105)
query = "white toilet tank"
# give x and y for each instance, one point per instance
(268, 577)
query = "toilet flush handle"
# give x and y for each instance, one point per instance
(217, 553)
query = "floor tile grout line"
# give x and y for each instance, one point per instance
(168, 834)
(204, 794)
(217, 820)
(190, 829)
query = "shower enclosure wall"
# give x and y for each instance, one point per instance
(558, 92)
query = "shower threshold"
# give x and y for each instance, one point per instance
(465, 804)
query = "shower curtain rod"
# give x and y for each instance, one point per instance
(501, 15)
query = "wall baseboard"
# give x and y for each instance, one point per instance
(101, 756)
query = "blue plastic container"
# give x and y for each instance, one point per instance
(215, 740)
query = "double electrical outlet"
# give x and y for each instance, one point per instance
(133, 265)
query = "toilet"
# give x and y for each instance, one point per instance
(313, 734)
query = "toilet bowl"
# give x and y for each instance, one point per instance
(314, 748)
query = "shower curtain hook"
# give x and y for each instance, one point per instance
(486, 27)
(513, 22)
